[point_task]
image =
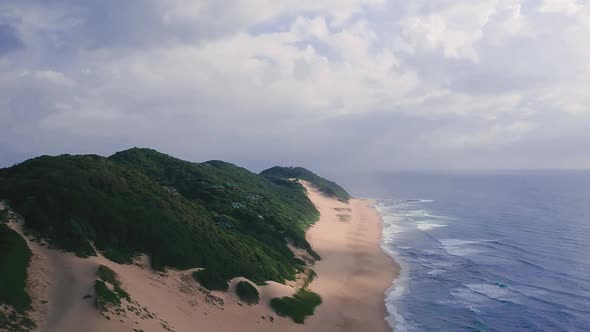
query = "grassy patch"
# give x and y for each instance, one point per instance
(104, 295)
(247, 292)
(309, 277)
(298, 307)
(15, 256)
(344, 217)
(108, 289)
(106, 274)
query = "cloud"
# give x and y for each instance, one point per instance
(304, 82)
(9, 40)
(560, 6)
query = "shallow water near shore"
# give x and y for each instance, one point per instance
(486, 251)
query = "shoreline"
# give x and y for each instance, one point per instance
(396, 289)
(355, 273)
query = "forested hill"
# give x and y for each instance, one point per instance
(214, 214)
(327, 187)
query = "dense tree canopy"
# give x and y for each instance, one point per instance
(214, 215)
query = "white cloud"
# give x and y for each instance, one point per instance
(49, 76)
(496, 136)
(560, 6)
(455, 28)
(462, 75)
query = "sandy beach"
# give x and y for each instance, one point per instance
(354, 272)
(351, 278)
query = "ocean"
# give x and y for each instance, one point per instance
(496, 251)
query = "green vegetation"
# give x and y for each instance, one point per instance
(104, 295)
(15, 256)
(4, 216)
(237, 197)
(301, 305)
(212, 281)
(108, 288)
(212, 215)
(344, 217)
(13, 321)
(107, 275)
(310, 275)
(247, 292)
(327, 187)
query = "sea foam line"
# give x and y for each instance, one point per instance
(399, 285)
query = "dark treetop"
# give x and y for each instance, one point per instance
(327, 187)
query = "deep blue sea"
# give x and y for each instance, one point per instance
(502, 251)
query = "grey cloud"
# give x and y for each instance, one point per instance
(236, 81)
(9, 39)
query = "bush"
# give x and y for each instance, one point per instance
(299, 261)
(301, 305)
(13, 321)
(211, 281)
(247, 292)
(107, 275)
(104, 295)
(15, 256)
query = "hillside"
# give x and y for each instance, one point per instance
(327, 187)
(253, 204)
(212, 215)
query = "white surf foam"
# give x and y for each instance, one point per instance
(468, 297)
(494, 291)
(474, 309)
(414, 201)
(455, 242)
(457, 247)
(393, 224)
(393, 295)
(426, 225)
(489, 290)
(473, 295)
(436, 272)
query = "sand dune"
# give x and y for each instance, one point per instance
(352, 277)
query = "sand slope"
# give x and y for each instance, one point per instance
(352, 277)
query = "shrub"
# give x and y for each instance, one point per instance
(14, 321)
(301, 305)
(309, 277)
(299, 261)
(107, 275)
(15, 256)
(104, 295)
(211, 281)
(247, 292)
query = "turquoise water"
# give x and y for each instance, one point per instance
(486, 251)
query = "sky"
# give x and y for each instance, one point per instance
(341, 85)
